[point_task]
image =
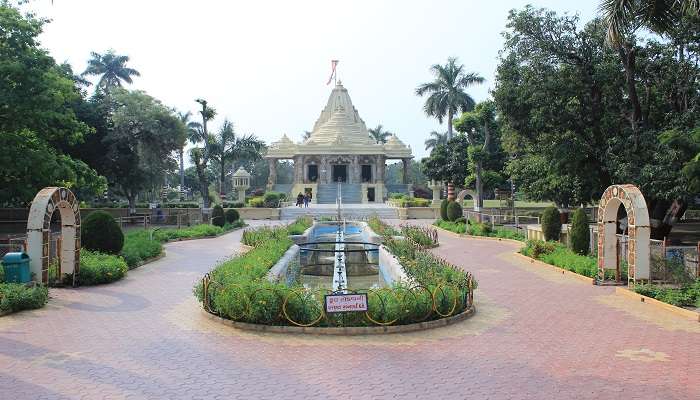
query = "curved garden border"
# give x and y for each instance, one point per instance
(346, 331)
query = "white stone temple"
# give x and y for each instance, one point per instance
(339, 149)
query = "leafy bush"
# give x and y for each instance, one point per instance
(100, 232)
(479, 229)
(17, 297)
(687, 295)
(508, 234)
(460, 220)
(454, 210)
(443, 209)
(273, 199)
(579, 236)
(411, 202)
(139, 247)
(96, 268)
(233, 204)
(396, 196)
(551, 224)
(217, 216)
(231, 215)
(257, 202)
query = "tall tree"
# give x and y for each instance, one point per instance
(435, 139)
(201, 155)
(140, 146)
(479, 126)
(446, 94)
(568, 119)
(228, 147)
(191, 127)
(38, 122)
(111, 68)
(379, 134)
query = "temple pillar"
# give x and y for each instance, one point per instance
(272, 177)
(324, 172)
(355, 171)
(405, 170)
(298, 169)
(381, 168)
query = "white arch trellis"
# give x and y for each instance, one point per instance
(630, 197)
(45, 203)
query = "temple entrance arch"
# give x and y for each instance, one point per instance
(45, 203)
(631, 198)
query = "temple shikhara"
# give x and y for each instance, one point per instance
(339, 149)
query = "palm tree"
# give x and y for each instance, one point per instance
(626, 16)
(111, 68)
(379, 134)
(446, 92)
(227, 147)
(435, 140)
(191, 127)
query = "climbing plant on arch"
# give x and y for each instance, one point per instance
(45, 203)
(630, 197)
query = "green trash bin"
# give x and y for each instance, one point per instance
(16, 267)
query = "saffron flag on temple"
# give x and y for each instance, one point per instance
(334, 63)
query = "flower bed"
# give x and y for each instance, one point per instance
(239, 290)
(422, 236)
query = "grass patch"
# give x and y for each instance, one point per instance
(474, 228)
(17, 297)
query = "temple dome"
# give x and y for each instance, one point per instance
(339, 122)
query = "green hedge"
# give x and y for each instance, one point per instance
(97, 268)
(443, 209)
(17, 297)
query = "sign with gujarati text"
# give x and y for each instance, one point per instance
(346, 302)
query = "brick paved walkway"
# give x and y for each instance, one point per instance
(536, 335)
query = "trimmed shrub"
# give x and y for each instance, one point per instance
(454, 211)
(443, 209)
(257, 202)
(17, 297)
(579, 237)
(100, 232)
(217, 216)
(96, 268)
(551, 223)
(231, 215)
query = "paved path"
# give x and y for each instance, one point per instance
(536, 335)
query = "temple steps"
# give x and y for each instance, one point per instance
(349, 211)
(327, 193)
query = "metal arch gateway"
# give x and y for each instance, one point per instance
(639, 231)
(45, 203)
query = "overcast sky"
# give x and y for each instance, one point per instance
(264, 64)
